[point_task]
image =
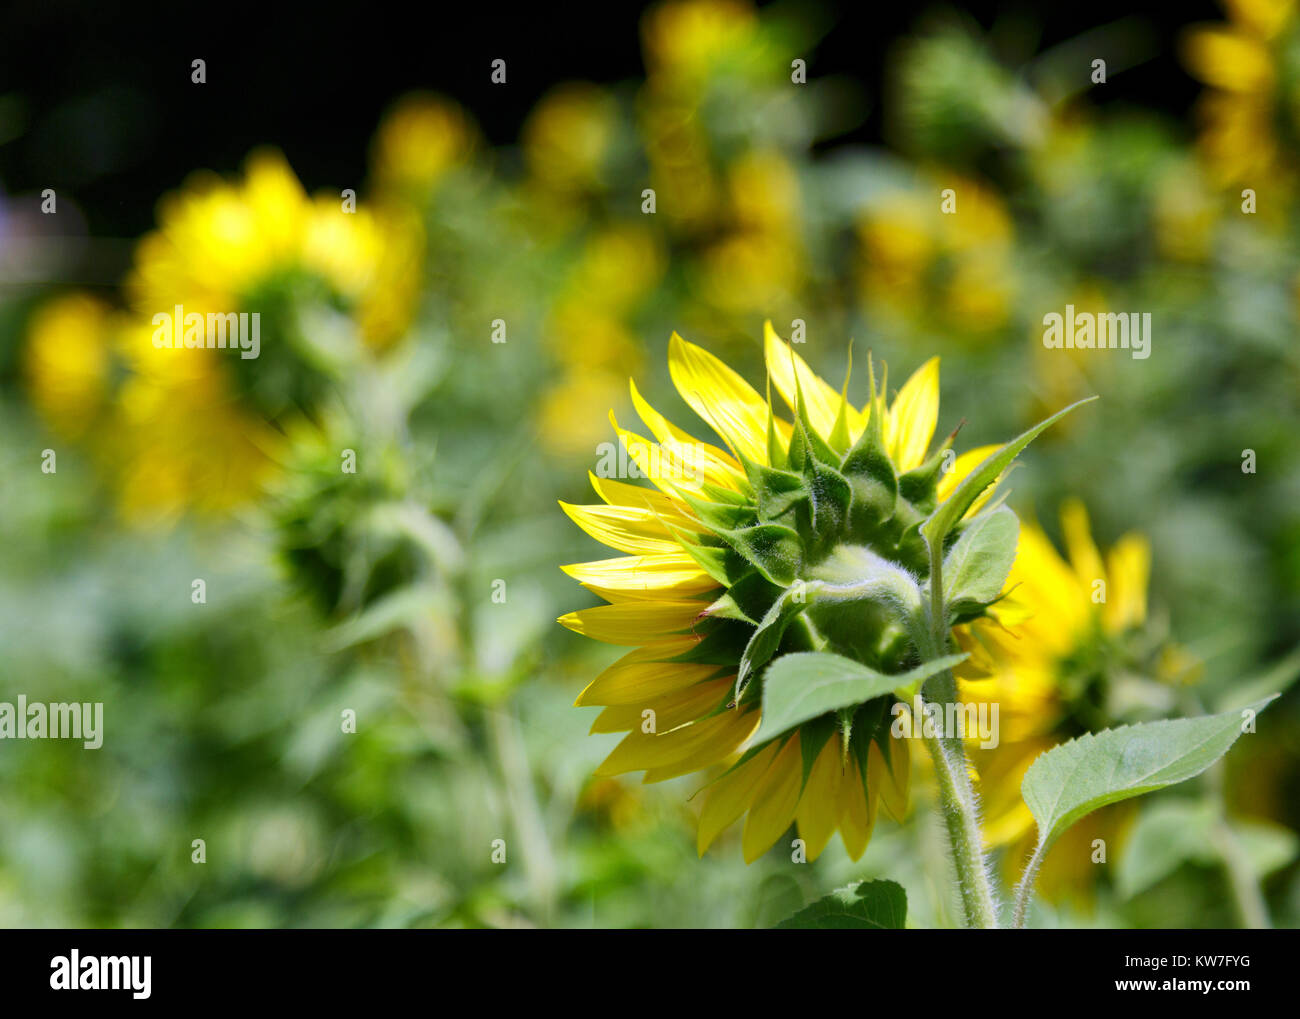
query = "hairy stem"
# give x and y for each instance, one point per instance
(957, 796)
(1025, 889)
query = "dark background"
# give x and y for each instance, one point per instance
(98, 99)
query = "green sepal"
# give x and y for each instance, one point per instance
(813, 737)
(776, 551)
(748, 599)
(919, 485)
(721, 562)
(767, 638)
(872, 477)
(723, 644)
(832, 500)
(780, 495)
(720, 516)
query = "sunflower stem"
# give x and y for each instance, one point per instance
(957, 795)
(1025, 890)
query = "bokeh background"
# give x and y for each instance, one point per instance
(522, 202)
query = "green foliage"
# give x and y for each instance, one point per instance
(800, 687)
(1078, 777)
(863, 905)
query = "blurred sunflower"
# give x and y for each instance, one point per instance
(1058, 661)
(929, 265)
(233, 246)
(421, 139)
(67, 362)
(1250, 115)
(726, 535)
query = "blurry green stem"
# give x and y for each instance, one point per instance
(1246, 893)
(539, 862)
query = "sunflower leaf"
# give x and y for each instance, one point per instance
(805, 685)
(863, 905)
(978, 563)
(952, 509)
(1076, 778)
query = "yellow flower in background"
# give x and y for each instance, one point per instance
(182, 431)
(66, 362)
(759, 261)
(687, 616)
(419, 140)
(688, 38)
(686, 43)
(1242, 64)
(182, 441)
(218, 244)
(588, 336)
(568, 135)
(1039, 661)
(921, 262)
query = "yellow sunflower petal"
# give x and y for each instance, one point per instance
(774, 803)
(1084, 557)
(821, 400)
(640, 622)
(890, 780)
(730, 796)
(1229, 60)
(670, 709)
(662, 505)
(857, 813)
(666, 468)
(644, 673)
(912, 417)
(1129, 567)
(672, 575)
(625, 528)
(818, 813)
(710, 460)
(689, 748)
(720, 396)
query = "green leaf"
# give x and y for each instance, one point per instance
(805, 685)
(1165, 836)
(863, 905)
(952, 509)
(1179, 831)
(1078, 777)
(1268, 846)
(977, 565)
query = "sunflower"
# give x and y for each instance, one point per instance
(722, 538)
(224, 246)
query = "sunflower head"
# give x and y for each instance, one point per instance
(804, 534)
